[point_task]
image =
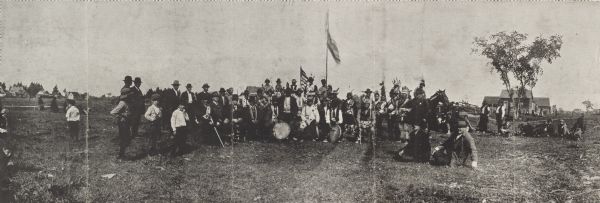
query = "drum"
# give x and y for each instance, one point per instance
(281, 130)
(335, 133)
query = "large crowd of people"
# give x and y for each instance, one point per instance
(294, 112)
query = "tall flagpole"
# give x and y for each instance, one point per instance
(326, 45)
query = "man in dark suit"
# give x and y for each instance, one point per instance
(205, 95)
(138, 106)
(288, 107)
(223, 99)
(170, 103)
(189, 100)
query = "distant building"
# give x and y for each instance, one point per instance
(528, 104)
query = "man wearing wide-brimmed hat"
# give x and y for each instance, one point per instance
(127, 85)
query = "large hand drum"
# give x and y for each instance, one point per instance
(335, 133)
(281, 130)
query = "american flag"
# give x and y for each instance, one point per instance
(303, 78)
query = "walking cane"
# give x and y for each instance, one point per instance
(217, 132)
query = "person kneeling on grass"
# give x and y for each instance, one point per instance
(418, 148)
(73, 119)
(458, 149)
(179, 121)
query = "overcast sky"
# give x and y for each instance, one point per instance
(90, 48)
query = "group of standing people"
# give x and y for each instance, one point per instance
(310, 113)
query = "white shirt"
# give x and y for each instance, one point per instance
(287, 106)
(72, 114)
(179, 119)
(153, 113)
(330, 112)
(190, 97)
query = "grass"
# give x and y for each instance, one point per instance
(51, 168)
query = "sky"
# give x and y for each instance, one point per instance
(91, 46)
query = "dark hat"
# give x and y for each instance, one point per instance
(205, 85)
(222, 90)
(267, 80)
(278, 80)
(368, 91)
(128, 79)
(323, 80)
(137, 80)
(310, 79)
(246, 92)
(235, 97)
(349, 94)
(175, 82)
(155, 97)
(293, 80)
(188, 85)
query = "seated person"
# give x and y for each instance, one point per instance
(458, 149)
(418, 148)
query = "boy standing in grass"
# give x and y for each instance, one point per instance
(154, 115)
(179, 121)
(73, 119)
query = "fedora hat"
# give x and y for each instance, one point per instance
(368, 91)
(137, 80)
(222, 90)
(175, 83)
(127, 79)
(205, 85)
(188, 85)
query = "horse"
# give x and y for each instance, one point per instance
(438, 112)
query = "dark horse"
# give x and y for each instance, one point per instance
(432, 111)
(438, 114)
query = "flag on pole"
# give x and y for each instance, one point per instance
(332, 46)
(303, 78)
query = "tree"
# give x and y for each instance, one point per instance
(3, 86)
(34, 88)
(149, 93)
(55, 91)
(509, 54)
(588, 105)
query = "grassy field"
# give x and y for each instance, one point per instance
(50, 167)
